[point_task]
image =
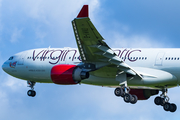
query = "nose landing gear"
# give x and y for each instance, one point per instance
(31, 92)
(163, 100)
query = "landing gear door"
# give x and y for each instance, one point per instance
(159, 59)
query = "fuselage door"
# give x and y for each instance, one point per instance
(159, 59)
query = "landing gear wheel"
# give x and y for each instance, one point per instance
(158, 101)
(127, 97)
(31, 93)
(163, 100)
(134, 99)
(118, 91)
(34, 93)
(173, 107)
(167, 106)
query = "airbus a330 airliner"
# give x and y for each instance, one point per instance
(136, 73)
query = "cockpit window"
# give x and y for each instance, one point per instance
(11, 58)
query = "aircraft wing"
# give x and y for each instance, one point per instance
(91, 44)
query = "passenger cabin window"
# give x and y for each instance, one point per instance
(173, 58)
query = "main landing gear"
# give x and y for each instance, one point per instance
(31, 92)
(163, 100)
(123, 91)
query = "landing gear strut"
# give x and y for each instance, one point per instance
(163, 100)
(123, 91)
(31, 92)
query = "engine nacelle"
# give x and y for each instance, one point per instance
(68, 74)
(143, 94)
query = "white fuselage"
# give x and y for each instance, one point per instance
(36, 64)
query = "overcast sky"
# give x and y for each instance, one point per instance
(28, 24)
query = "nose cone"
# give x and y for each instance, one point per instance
(5, 66)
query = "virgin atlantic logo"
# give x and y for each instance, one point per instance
(12, 65)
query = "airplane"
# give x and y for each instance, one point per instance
(135, 73)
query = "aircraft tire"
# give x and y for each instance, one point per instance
(118, 91)
(134, 99)
(34, 93)
(173, 107)
(167, 106)
(31, 93)
(158, 101)
(127, 97)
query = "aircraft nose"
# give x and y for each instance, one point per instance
(5, 66)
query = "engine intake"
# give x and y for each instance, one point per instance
(68, 74)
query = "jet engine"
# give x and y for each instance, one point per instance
(143, 94)
(67, 74)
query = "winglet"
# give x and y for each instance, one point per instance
(84, 12)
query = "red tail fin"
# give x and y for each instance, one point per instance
(84, 12)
